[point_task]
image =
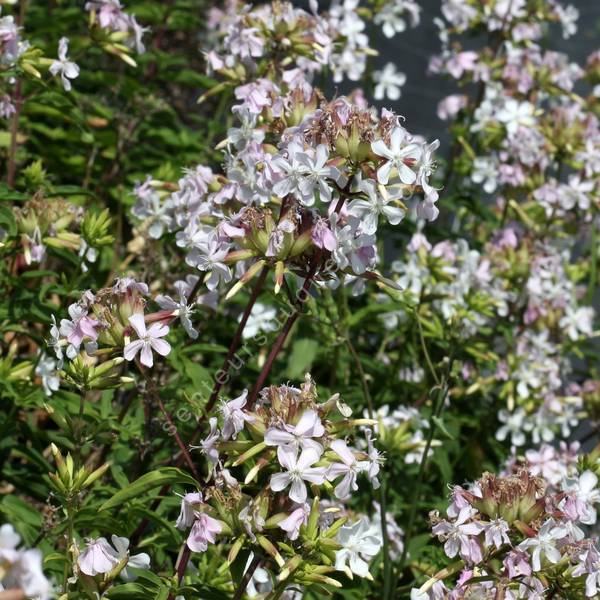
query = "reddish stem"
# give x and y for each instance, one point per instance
(173, 429)
(302, 297)
(235, 343)
(185, 452)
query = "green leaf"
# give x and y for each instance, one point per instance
(439, 423)
(370, 310)
(7, 220)
(147, 482)
(304, 352)
(129, 591)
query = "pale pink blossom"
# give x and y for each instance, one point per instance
(98, 557)
(298, 470)
(234, 417)
(204, 532)
(300, 435)
(291, 525)
(349, 468)
(148, 340)
(68, 70)
(187, 514)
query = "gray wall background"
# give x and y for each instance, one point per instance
(410, 51)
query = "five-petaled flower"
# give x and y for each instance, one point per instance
(299, 470)
(148, 340)
(401, 155)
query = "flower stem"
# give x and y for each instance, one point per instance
(387, 565)
(442, 392)
(302, 297)
(239, 592)
(237, 338)
(172, 427)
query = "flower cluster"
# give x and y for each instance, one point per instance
(278, 41)
(113, 322)
(515, 535)
(269, 465)
(534, 330)
(121, 30)
(307, 184)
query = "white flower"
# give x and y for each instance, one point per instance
(208, 255)
(46, 369)
(399, 154)
(589, 566)
(260, 582)
(137, 561)
(485, 170)
(368, 211)
(234, 417)
(67, 69)
(300, 435)
(426, 167)
(180, 308)
(349, 468)
(22, 569)
(315, 174)
(148, 340)
(208, 444)
(515, 114)
(355, 249)
(495, 533)
(392, 16)
(375, 460)
(578, 321)
(585, 490)
(514, 423)
(359, 545)
(262, 318)
(388, 82)
(299, 470)
(290, 170)
(544, 544)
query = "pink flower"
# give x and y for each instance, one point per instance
(418, 241)
(458, 536)
(517, 564)
(148, 340)
(461, 62)
(291, 525)
(187, 515)
(322, 236)
(449, 106)
(81, 326)
(234, 417)
(203, 532)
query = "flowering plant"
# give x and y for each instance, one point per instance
(255, 331)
